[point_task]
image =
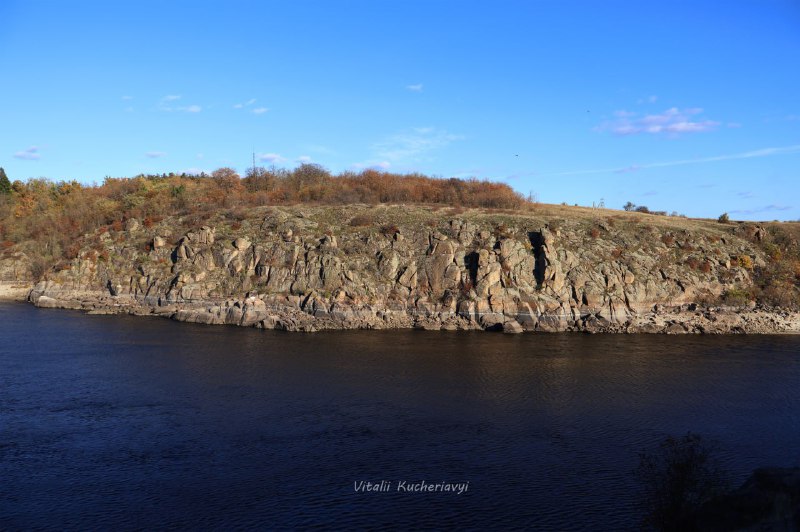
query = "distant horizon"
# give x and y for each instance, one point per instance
(680, 106)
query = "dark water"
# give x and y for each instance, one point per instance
(121, 422)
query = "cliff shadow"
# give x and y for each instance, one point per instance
(540, 265)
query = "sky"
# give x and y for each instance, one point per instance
(691, 107)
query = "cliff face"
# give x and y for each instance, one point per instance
(311, 268)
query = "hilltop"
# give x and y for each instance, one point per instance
(453, 255)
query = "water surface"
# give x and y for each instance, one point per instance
(125, 422)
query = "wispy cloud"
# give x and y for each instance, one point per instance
(248, 103)
(154, 154)
(673, 121)
(270, 158)
(167, 104)
(127, 98)
(766, 208)
(30, 154)
(628, 169)
(260, 110)
(764, 152)
(303, 159)
(414, 88)
(371, 165)
(650, 99)
(413, 145)
(746, 194)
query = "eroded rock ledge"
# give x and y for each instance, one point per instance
(312, 268)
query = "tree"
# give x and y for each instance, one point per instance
(227, 179)
(677, 479)
(629, 206)
(5, 184)
(724, 218)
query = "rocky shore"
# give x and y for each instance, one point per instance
(317, 268)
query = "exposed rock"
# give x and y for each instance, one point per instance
(241, 244)
(132, 225)
(453, 274)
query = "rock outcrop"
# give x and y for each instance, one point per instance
(307, 269)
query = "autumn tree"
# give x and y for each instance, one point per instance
(227, 179)
(5, 184)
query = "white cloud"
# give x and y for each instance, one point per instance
(248, 103)
(30, 154)
(129, 109)
(371, 165)
(270, 158)
(260, 110)
(413, 145)
(154, 154)
(127, 98)
(166, 104)
(650, 99)
(673, 121)
(303, 159)
(415, 88)
(764, 152)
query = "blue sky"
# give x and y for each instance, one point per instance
(681, 106)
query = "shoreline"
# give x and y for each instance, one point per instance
(288, 313)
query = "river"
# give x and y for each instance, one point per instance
(128, 422)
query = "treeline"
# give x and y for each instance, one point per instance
(53, 215)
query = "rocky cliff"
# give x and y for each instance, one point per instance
(310, 268)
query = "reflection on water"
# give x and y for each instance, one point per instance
(132, 422)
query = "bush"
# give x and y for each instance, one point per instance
(736, 297)
(746, 262)
(361, 220)
(677, 479)
(724, 218)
